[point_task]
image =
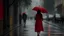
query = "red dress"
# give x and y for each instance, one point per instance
(38, 23)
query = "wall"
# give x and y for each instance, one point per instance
(1, 9)
(63, 8)
(57, 2)
(11, 10)
(1, 17)
(49, 5)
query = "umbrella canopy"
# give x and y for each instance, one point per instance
(43, 10)
(24, 13)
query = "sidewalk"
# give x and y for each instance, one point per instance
(29, 30)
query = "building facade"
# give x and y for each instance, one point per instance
(49, 5)
(57, 3)
(63, 8)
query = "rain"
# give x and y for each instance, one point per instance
(21, 18)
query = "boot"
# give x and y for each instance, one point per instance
(38, 35)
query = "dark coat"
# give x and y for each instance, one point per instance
(24, 16)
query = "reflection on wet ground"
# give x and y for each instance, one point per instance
(53, 31)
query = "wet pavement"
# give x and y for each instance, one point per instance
(50, 29)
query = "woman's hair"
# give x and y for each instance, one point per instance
(38, 12)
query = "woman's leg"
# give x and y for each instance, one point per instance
(38, 33)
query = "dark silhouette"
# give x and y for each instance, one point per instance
(38, 24)
(54, 18)
(24, 16)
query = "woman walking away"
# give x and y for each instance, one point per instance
(38, 23)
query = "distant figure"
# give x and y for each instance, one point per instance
(54, 18)
(38, 23)
(24, 16)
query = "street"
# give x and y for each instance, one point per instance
(50, 29)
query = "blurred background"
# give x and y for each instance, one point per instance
(11, 22)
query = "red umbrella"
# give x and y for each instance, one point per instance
(24, 12)
(43, 10)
